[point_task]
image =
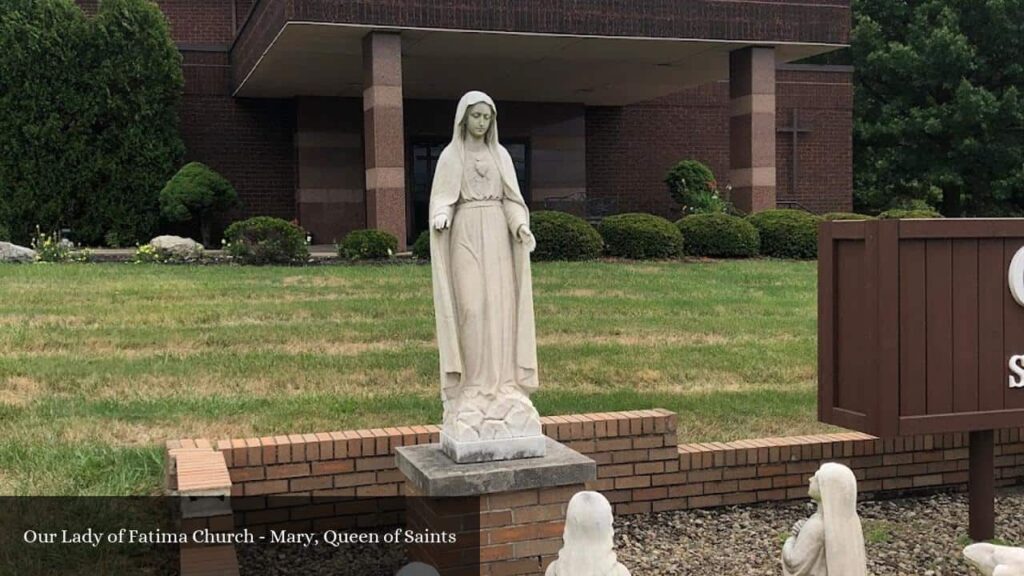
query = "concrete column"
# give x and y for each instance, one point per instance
(752, 128)
(383, 134)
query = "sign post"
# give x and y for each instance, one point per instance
(921, 331)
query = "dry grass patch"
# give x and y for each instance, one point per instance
(142, 434)
(316, 281)
(19, 391)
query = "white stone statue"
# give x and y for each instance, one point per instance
(994, 560)
(830, 542)
(587, 547)
(480, 244)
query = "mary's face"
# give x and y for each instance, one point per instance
(478, 119)
(814, 491)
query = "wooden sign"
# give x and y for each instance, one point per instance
(921, 325)
(921, 330)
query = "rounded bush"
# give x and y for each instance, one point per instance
(197, 192)
(845, 216)
(562, 236)
(719, 236)
(640, 236)
(908, 214)
(266, 240)
(692, 185)
(787, 233)
(421, 247)
(367, 245)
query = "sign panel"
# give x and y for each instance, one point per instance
(921, 325)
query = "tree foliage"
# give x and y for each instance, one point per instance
(88, 119)
(939, 109)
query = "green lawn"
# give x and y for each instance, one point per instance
(101, 363)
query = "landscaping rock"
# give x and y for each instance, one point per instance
(177, 247)
(14, 253)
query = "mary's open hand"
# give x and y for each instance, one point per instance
(440, 222)
(526, 237)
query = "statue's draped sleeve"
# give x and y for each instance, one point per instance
(444, 193)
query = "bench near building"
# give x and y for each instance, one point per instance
(333, 112)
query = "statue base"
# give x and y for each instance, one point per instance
(493, 450)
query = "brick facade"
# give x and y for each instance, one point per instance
(260, 145)
(631, 148)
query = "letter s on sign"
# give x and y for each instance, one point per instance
(1017, 367)
(1016, 277)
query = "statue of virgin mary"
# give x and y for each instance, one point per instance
(480, 244)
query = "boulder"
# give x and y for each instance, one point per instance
(177, 247)
(14, 253)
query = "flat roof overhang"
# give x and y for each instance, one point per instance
(325, 59)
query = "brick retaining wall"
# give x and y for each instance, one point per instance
(640, 466)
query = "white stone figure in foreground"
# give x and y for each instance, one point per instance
(480, 244)
(587, 548)
(993, 560)
(830, 542)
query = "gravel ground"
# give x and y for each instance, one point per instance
(913, 536)
(355, 560)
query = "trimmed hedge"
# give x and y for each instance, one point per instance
(197, 192)
(90, 120)
(640, 237)
(829, 217)
(367, 245)
(266, 240)
(562, 236)
(908, 214)
(719, 236)
(787, 233)
(421, 247)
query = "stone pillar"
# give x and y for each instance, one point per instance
(383, 134)
(752, 128)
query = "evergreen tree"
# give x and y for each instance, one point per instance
(939, 105)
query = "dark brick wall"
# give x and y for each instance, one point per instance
(195, 22)
(200, 22)
(629, 149)
(772, 20)
(249, 141)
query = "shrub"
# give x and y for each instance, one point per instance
(562, 236)
(845, 216)
(693, 186)
(640, 236)
(719, 236)
(367, 245)
(266, 240)
(908, 214)
(197, 192)
(421, 247)
(787, 233)
(90, 130)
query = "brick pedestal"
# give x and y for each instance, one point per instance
(518, 532)
(507, 517)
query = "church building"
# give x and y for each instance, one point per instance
(333, 112)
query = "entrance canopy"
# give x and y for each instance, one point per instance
(326, 59)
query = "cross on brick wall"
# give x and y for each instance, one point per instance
(795, 129)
